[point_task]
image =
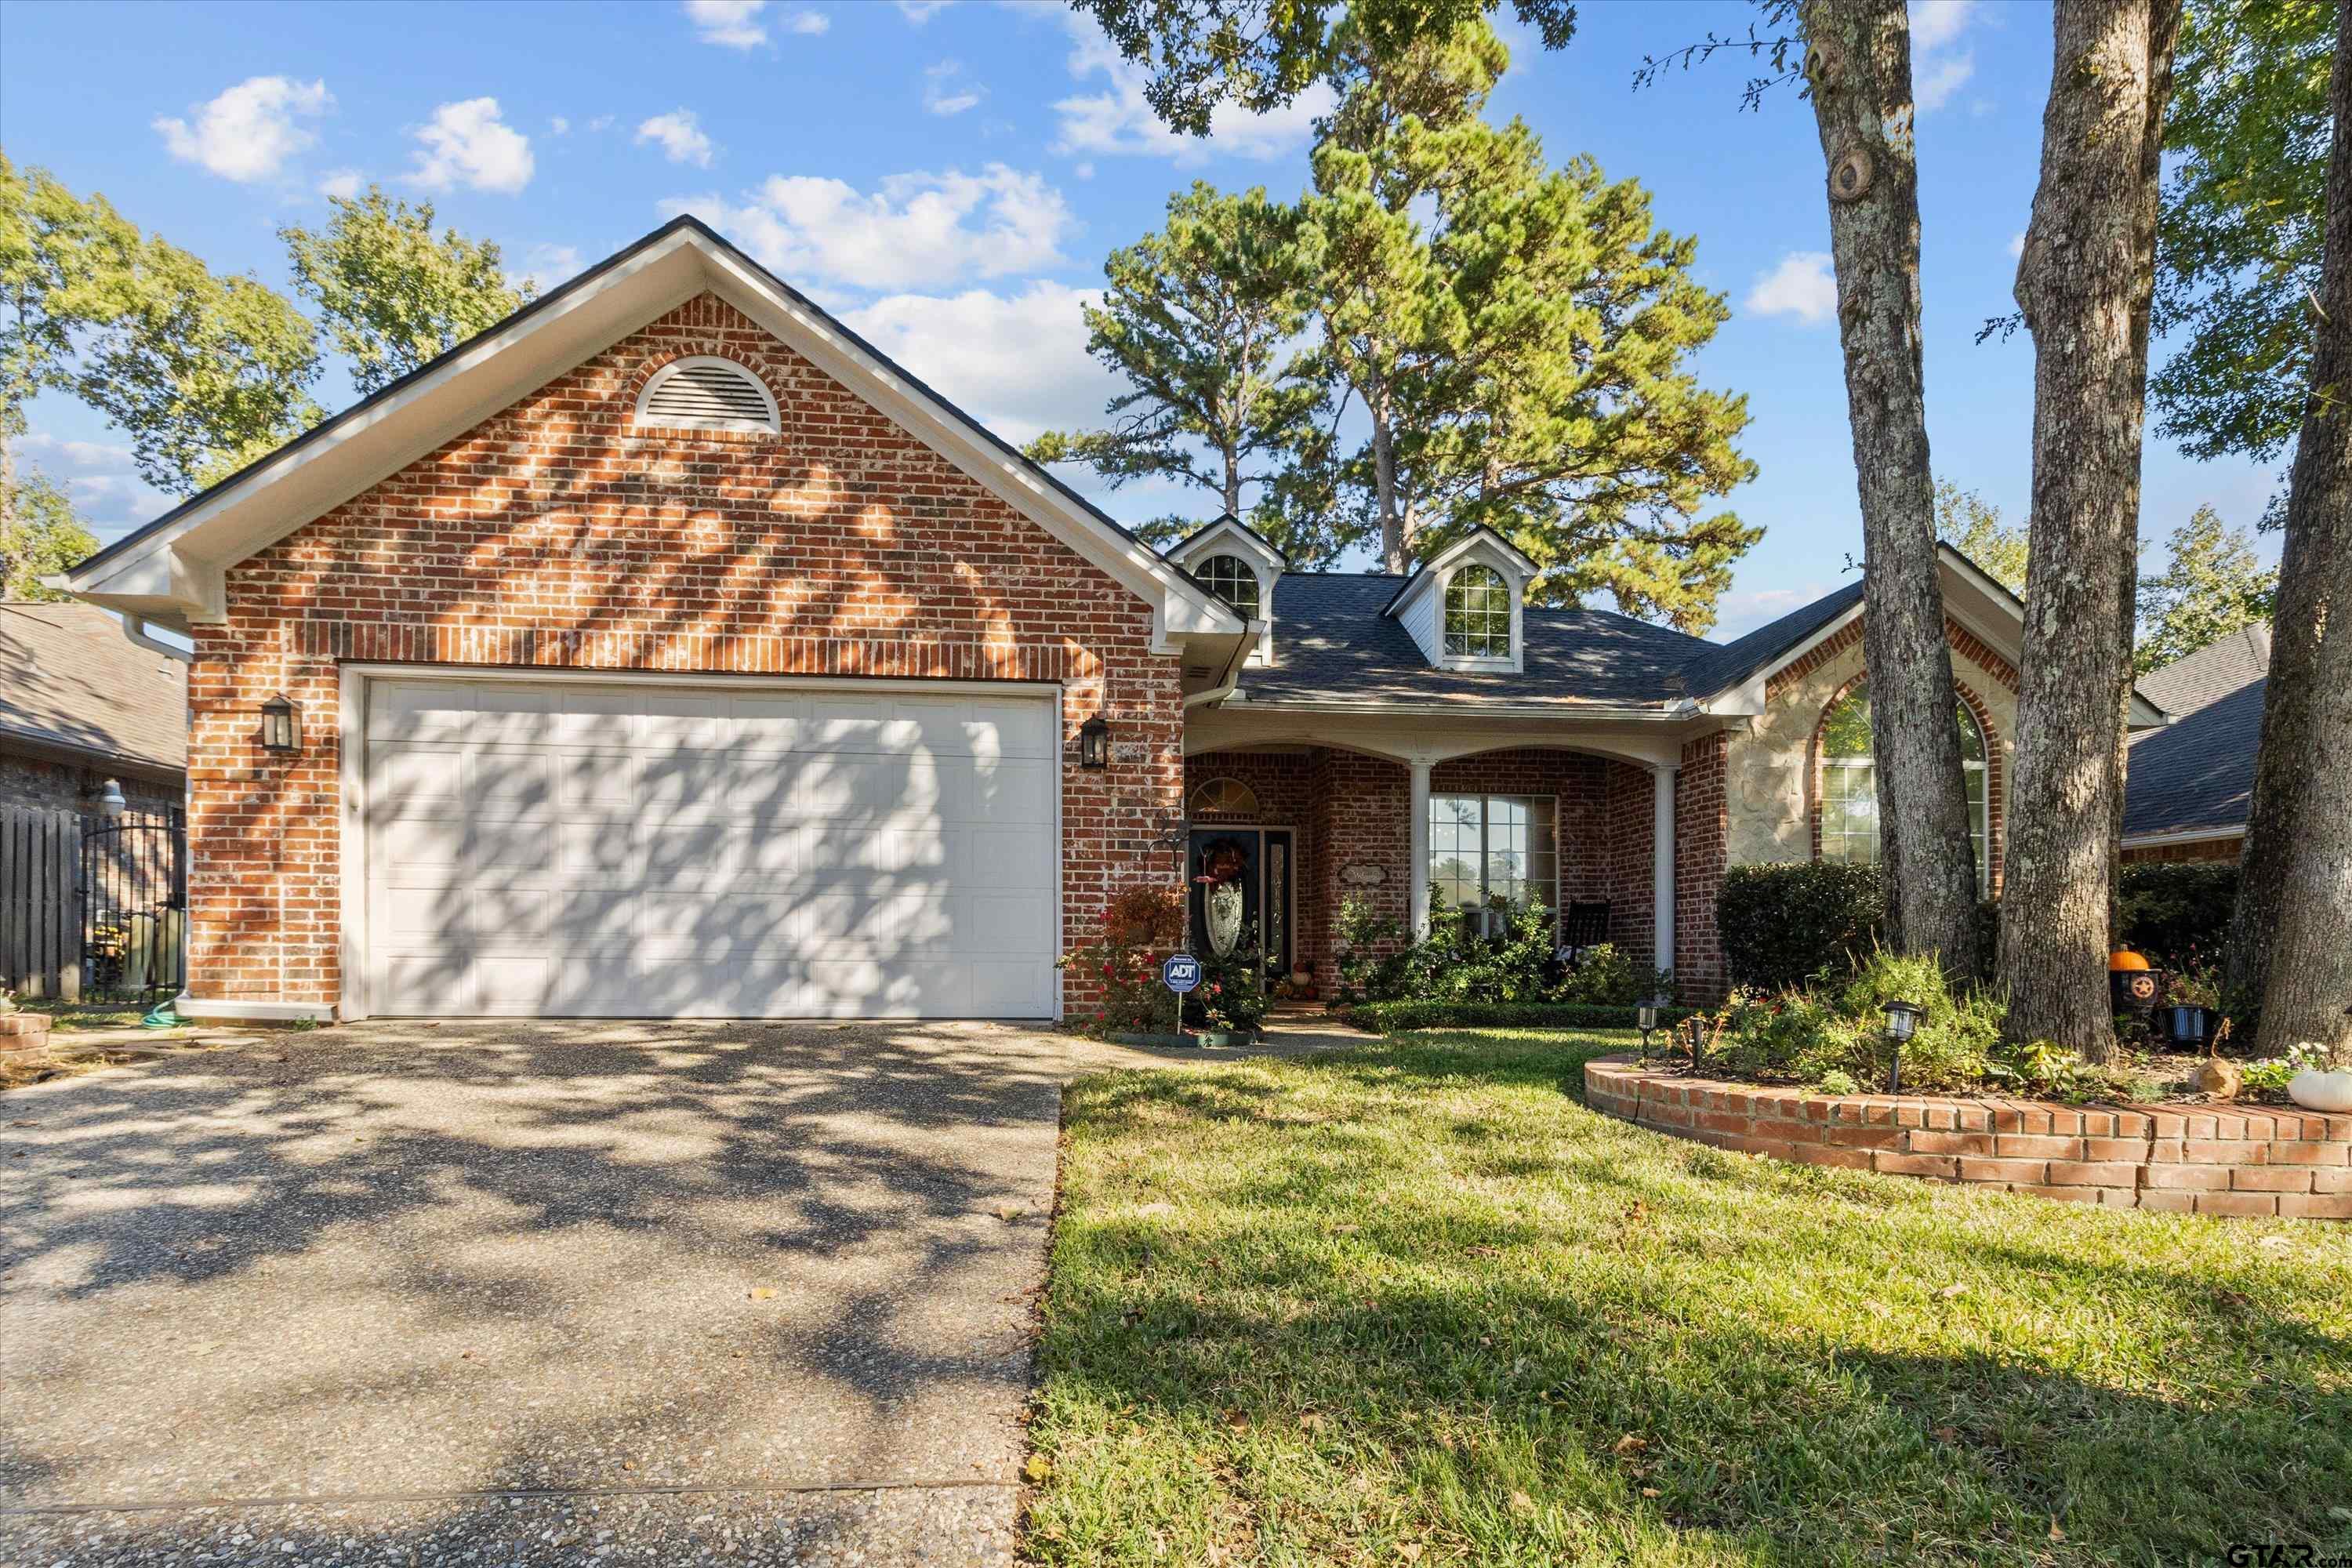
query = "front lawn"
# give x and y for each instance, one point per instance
(1415, 1304)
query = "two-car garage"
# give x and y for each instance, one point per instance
(635, 846)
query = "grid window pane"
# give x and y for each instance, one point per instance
(1492, 855)
(1478, 613)
(1230, 578)
(1850, 789)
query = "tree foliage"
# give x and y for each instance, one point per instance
(392, 294)
(39, 535)
(1202, 318)
(1972, 525)
(2243, 230)
(1262, 54)
(2213, 586)
(203, 372)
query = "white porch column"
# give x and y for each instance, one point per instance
(1661, 864)
(1418, 911)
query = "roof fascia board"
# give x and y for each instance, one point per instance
(2182, 836)
(1244, 538)
(1676, 713)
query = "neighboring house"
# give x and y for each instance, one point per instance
(2191, 782)
(84, 698)
(667, 650)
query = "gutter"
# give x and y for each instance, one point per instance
(1681, 711)
(2185, 836)
(1231, 681)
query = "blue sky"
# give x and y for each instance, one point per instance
(948, 178)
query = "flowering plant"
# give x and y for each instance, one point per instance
(1141, 927)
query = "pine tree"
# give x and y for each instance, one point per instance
(2213, 586)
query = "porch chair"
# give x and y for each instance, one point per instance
(1585, 925)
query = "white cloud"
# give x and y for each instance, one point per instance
(560, 126)
(101, 478)
(914, 230)
(1016, 362)
(1120, 122)
(922, 11)
(1801, 286)
(807, 23)
(682, 141)
(546, 266)
(1736, 614)
(467, 144)
(2017, 243)
(248, 132)
(343, 182)
(944, 94)
(730, 24)
(1938, 68)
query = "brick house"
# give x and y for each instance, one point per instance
(88, 699)
(667, 650)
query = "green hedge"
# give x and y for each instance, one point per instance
(2178, 912)
(1781, 924)
(1392, 1017)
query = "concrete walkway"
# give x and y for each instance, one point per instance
(394, 1294)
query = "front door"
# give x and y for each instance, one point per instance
(1241, 880)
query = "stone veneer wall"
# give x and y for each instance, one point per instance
(1774, 798)
(2185, 1159)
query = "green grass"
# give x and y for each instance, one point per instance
(1415, 1303)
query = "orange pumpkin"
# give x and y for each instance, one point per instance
(2124, 958)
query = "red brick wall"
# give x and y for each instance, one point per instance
(1702, 840)
(2254, 1161)
(1604, 825)
(2202, 850)
(1360, 813)
(555, 534)
(1283, 782)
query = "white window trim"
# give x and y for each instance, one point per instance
(1512, 662)
(661, 377)
(1979, 816)
(1482, 797)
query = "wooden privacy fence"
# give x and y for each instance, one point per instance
(91, 907)
(40, 902)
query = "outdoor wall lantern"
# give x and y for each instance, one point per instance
(110, 798)
(1093, 743)
(1902, 1018)
(281, 726)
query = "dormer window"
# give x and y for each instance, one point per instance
(1234, 581)
(1477, 614)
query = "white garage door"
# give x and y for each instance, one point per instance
(641, 850)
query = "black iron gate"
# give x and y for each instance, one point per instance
(134, 904)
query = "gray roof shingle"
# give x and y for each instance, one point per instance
(2197, 773)
(69, 677)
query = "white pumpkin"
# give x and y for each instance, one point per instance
(2327, 1092)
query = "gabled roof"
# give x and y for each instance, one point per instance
(171, 570)
(2196, 775)
(1480, 534)
(73, 679)
(1225, 524)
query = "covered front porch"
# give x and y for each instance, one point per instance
(1620, 824)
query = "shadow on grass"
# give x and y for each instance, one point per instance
(1538, 1331)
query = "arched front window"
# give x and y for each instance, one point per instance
(1223, 797)
(1850, 783)
(1230, 578)
(1477, 614)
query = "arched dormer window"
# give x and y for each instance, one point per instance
(1234, 581)
(1849, 775)
(1223, 797)
(702, 391)
(1477, 614)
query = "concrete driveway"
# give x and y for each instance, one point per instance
(399, 1293)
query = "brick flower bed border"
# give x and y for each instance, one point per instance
(2188, 1158)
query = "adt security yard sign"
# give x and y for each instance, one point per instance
(1180, 973)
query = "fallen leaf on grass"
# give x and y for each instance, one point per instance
(1649, 1491)
(1629, 1444)
(1948, 1291)
(1038, 1467)
(1410, 1550)
(2055, 1533)
(1946, 1433)
(1522, 1504)
(1238, 1420)
(1312, 1421)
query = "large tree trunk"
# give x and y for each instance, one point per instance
(2292, 928)
(2084, 285)
(1859, 65)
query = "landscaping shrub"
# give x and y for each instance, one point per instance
(1834, 1028)
(2177, 913)
(1458, 962)
(1231, 993)
(1395, 1018)
(1141, 927)
(1782, 925)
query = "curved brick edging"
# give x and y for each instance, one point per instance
(2183, 1158)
